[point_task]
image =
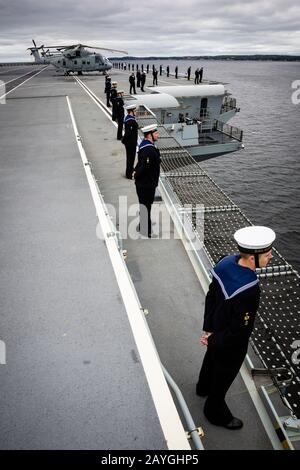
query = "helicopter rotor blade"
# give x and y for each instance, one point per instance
(62, 47)
(79, 46)
(113, 50)
(35, 46)
(104, 48)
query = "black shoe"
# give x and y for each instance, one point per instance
(235, 423)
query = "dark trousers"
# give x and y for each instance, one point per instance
(132, 87)
(107, 100)
(217, 373)
(130, 156)
(114, 114)
(146, 198)
(120, 127)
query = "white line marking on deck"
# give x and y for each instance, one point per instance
(17, 78)
(13, 89)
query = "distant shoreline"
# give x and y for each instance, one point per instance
(253, 57)
(256, 57)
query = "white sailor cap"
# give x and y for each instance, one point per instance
(120, 91)
(114, 83)
(130, 107)
(255, 239)
(149, 128)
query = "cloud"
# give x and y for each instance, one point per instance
(159, 27)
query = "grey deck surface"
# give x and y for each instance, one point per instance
(62, 387)
(73, 378)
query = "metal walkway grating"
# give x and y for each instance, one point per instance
(202, 189)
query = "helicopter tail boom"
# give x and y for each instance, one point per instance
(36, 54)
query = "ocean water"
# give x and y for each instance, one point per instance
(264, 178)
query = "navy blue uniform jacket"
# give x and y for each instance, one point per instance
(231, 305)
(131, 131)
(148, 165)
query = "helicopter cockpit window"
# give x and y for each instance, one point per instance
(75, 62)
(77, 53)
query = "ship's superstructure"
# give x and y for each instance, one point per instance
(196, 116)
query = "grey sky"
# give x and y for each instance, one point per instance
(155, 27)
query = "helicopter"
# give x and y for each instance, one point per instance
(72, 58)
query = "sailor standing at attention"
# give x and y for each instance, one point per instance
(143, 81)
(189, 73)
(113, 97)
(130, 138)
(138, 78)
(119, 110)
(132, 84)
(107, 90)
(201, 74)
(146, 175)
(230, 308)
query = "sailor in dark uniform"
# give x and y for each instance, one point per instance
(143, 81)
(146, 176)
(132, 84)
(113, 97)
(119, 110)
(189, 73)
(154, 74)
(230, 308)
(138, 78)
(107, 90)
(130, 138)
(201, 74)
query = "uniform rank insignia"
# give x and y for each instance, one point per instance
(246, 318)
